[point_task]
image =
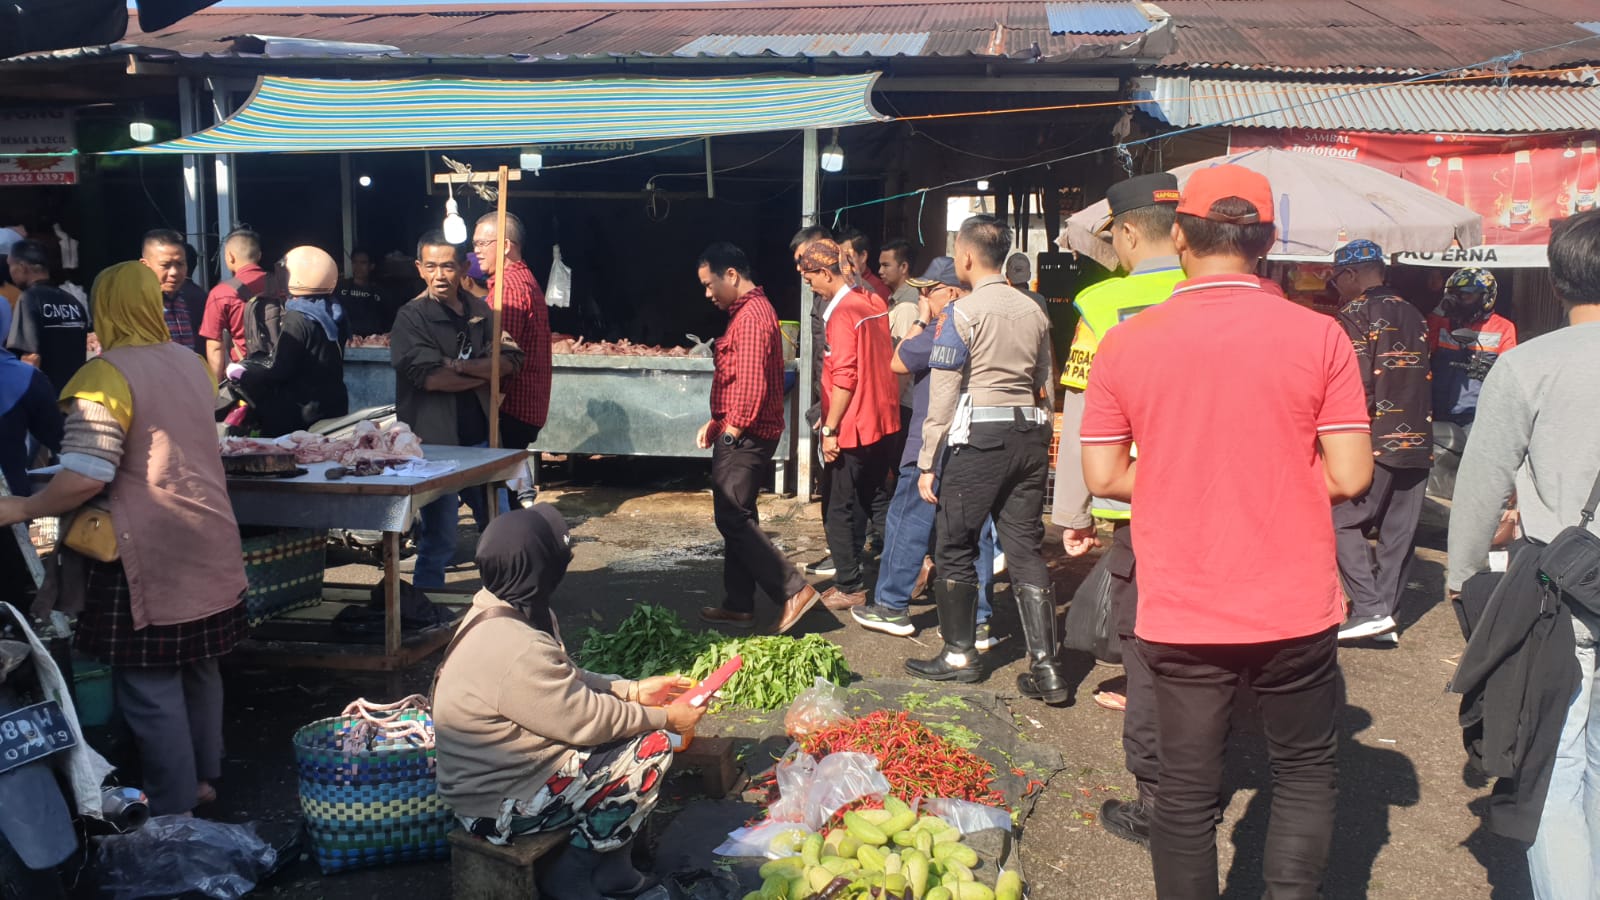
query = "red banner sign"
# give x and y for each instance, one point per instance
(1518, 184)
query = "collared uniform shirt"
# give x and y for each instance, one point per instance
(993, 344)
(747, 386)
(527, 320)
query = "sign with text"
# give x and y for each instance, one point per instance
(41, 131)
(1518, 183)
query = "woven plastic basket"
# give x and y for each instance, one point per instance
(284, 570)
(367, 786)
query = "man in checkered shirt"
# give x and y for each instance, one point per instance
(527, 320)
(742, 433)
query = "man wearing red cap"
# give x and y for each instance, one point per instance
(1245, 440)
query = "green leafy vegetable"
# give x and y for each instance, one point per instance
(652, 640)
(776, 668)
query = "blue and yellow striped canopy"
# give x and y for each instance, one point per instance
(312, 115)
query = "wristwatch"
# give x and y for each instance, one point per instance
(829, 431)
(919, 323)
(728, 440)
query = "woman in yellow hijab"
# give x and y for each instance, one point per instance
(166, 604)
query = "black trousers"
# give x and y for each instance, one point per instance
(516, 433)
(1296, 687)
(750, 559)
(1000, 472)
(1139, 727)
(1375, 576)
(849, 485)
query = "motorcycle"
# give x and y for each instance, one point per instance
(48, 776)
(1449, 442)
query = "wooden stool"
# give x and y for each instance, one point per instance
(713, 756)
(480, 870)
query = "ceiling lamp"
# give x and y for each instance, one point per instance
(531, 160)
(141, 131)
(833, 155)
(455, 228)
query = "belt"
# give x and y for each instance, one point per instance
(1031, 414)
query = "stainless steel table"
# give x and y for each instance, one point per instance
(383, 503)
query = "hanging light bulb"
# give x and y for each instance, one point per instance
(364, 181)
(141, 131)
(833, 155)
(531, 160)
(455, 229)
(983, 184)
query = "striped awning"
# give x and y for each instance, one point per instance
(312, 115)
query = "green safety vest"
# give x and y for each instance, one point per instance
(1101, 307)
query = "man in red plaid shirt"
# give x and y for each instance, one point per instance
(746, 423)
(527, 320)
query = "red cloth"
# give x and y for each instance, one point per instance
(857, 359)
(527, 319)
(747, 388)
(877, 285)
(1225, 389)
(224, 309)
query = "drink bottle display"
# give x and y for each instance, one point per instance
(1455, 182)
(1588, 185)
(1521, 190)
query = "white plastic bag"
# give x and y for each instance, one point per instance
(966, 816)
(558, 290)
(794, 774)
(842, 779)
(763, 840)
(817, 707)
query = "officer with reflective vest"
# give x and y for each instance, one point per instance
(1143, 210)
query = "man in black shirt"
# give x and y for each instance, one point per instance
(365, 307)
(51, 327)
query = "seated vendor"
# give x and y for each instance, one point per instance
(527, 741)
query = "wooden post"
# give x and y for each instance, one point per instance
(500, 178)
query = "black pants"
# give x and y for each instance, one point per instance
(1375, 577)
(516, 433)
(1296, 687)
(849, 484)
(750, 559)
(1139, 728)
(1000, 472)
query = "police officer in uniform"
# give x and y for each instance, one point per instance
(1143, 210)
(989, 407)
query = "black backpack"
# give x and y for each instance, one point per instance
(263, 315)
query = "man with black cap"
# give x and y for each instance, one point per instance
(1390, 338)
(989, 406)
(1250, 418)
(1139, 228)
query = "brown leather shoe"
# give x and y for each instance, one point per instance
(795, 607)
(835, 599)
(920, 589)
(716, 615)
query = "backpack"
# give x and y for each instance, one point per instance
(263, 316)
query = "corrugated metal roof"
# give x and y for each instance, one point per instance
(1096, 18)
(1419, 108)
(805, 45)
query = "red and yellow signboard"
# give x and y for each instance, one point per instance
(36, 137)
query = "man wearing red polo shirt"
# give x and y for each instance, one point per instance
(1251, 422)
(860, 409)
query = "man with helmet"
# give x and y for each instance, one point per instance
(1465, 336)
(302, 379)
(1390, 339)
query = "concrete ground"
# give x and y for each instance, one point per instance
(1408, 823)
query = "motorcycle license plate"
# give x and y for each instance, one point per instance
(33, 733)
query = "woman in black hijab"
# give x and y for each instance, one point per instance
(527, 741)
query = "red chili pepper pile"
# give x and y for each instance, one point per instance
(917, 762)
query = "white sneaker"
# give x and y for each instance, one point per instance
(1359, 627)
(999, 563)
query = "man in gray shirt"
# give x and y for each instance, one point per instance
(1538, 431)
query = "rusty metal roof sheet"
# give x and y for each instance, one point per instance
(1417, 108)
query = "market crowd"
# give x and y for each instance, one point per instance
(1252, 510)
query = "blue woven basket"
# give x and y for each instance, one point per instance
(376, 802)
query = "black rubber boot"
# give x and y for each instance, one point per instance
(1044, 681)
(958, 624)
(616, 877)
(569, 875)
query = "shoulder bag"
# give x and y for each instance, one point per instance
(92, 534)
(1571, 562)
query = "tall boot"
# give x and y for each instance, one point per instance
(957, 602)
(1040, 630)
(570, 875)
(616, 876)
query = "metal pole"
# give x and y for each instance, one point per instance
(711, 185)
(347, 211)
(810, 201)
(194, 188)
(226, 212)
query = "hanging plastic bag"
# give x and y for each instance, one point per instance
(816, 708)
(558, 290)
(176, 855)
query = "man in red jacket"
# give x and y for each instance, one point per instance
(860, 408)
